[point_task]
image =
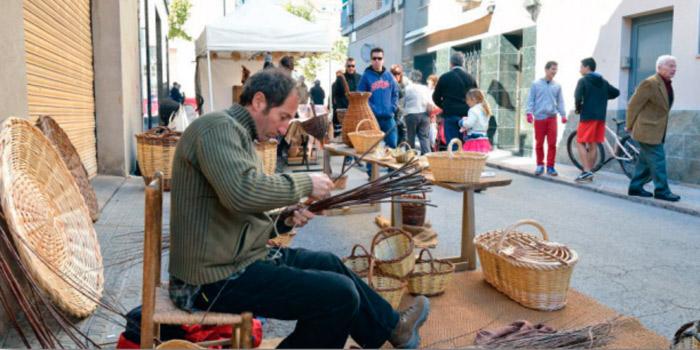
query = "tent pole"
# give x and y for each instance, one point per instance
(211, 90)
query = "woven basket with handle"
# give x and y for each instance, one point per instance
(363, 140)
(267, 152)
(390, 288)
(528, 269)
(460, 166)
(48, 219)
(316, 126)
(155, 150)
(403, 155)
(358, 110)
(358, 263)
(392, 250)
(430, 277)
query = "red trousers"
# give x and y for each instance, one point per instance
(546, 129)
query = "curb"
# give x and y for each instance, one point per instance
(559, 180)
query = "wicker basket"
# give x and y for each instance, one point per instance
(430, 277)
(359, 264)
(267, 151)
(70, 156)
(687, 337)
(155, 150)
(316, 126)
(403, 156)
(390, 288)
(282, 240)
(460, 166)
(532, 271)
(340, 114)
(392, 250)
(413, 214)
(358, 110)
(364, 140)
(48, 219)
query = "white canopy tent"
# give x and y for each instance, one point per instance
(243, 36)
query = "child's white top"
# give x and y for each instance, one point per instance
(477, 120)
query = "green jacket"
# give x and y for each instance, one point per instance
(220, 196)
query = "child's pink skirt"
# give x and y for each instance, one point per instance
(481, 145)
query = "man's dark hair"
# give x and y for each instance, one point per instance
(349, 59)
(287, 62)
(589, 62)
(274, 83)
(376, 49)
(550, 64)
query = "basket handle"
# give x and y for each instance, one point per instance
(354, 248)
(357, 128)
(370, 274)
(408, 147)
(449, 146)
(512, 228)
(431, 261)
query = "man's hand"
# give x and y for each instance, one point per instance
(563, 119)
(322, 186)
(530, 118)
(299, 218)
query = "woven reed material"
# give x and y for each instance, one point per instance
(460, 166)
(470, 304)
(155, 151)
(358, 109)
(267, 151)
(392, 249)
(70, 156)
(48, 219)
(167, 313)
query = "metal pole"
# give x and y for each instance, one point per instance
(211, 90)
(148, 66)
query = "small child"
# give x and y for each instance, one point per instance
(476, 123)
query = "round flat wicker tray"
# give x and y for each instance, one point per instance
(70, 156)
(48, 219)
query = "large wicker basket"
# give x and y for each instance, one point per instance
(392, 250)
(430, 277)
(316, 126)
(532, 271)
(364, 140)
(358, 263)
(267, 152)
(48, 219)
(390, 288)
(358, 110)
(460, 166)
(70, 156)
(155, 150)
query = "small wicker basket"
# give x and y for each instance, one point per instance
(392, 250)
(155, 151)
(363, 140)
(403, 156)
(460, 166)
(317, 126)
(430, 277)
(390, 288)
(359, 264)
(532, 271)
(413, 214)
(267, 151)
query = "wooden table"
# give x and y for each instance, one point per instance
(467, 258)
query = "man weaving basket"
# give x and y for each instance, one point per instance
(219, 227)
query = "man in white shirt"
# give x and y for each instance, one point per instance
(418, 103)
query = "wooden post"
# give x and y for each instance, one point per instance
(246, 331)
(151, 257)
(327, 162)
(235, 342)
(468, 229)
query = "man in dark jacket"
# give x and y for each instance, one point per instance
(339, 99)
(317, 93)
(451, 95)
(175, 94)
(385, 95)
(592, 95)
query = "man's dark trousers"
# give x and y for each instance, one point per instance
(451, 125)
(419, 123)
(329, 301)
(651, 166)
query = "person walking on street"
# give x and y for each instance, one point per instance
(647, 121)
(385, 95)
(418, 104)
(397, 71)
(318, 96)
(591, 96)
(449, 95)
(543, 103)
(338, 98)
(303, 90)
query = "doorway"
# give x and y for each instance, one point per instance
(651, 38)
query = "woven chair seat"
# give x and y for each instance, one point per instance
(167, 313)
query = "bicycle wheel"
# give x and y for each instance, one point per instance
(571, 147)
(627, 163)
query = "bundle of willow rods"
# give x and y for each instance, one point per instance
(582, 338)
(405, 180)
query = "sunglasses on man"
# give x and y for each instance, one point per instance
(350, 66)
(377, 58)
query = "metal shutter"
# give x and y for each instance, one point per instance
(58, 44)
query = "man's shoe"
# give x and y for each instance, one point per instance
(405, 334)
(551, 171)
(668, 197)
(539, 170)
(640, 193)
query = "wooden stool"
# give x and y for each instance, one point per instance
(157, 308)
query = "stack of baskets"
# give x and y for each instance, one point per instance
(460, 166)
(532, 271)
(155, 151)
(267, 151)
(364, 140)
(391, 268)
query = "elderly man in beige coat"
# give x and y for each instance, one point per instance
(647, 120)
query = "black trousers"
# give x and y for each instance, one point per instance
(328, 300)
(418, 124)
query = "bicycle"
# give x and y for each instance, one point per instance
(625, 151)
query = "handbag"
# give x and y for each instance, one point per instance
(179, 120)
